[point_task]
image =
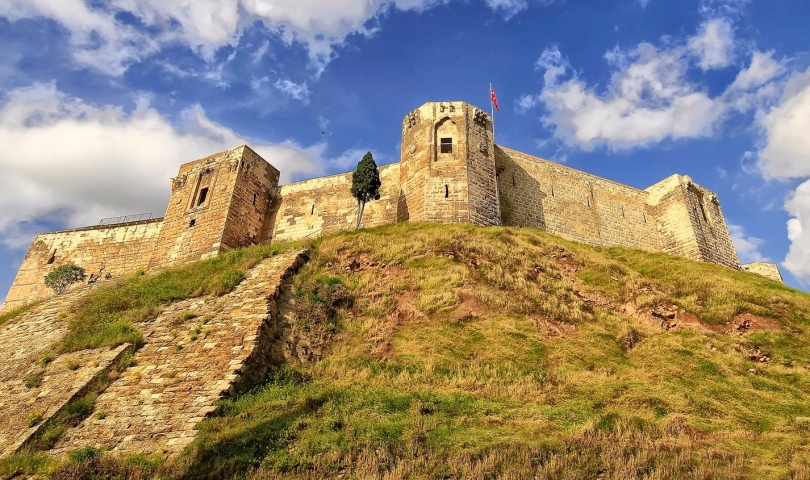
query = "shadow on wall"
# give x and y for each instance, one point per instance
(403, 214)
(522, 197)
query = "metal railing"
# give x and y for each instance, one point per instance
(125, 219)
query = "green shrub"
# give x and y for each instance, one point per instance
(63, 277)
(83, 454)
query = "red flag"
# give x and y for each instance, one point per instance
(493, 98)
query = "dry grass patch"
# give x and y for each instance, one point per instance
(466, 352)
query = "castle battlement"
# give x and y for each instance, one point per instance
(450, 171)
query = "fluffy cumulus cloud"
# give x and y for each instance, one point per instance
(651, 95)
(714, 45)
(74, 163)
(97, 39)
(786, 152)
(797, 260)
(785, 155)
(747, 246)
(102, 41)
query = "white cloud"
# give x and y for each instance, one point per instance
(650, 97)
(509, 8)
(75, 163)
(714, 44)
(786, 151)
(296, 91)
(747, 247)
(762, 69)
(797, 260)
(785, 154)
(97, 39)
(101, 41)
(722, 8)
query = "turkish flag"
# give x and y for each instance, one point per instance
(494, 98)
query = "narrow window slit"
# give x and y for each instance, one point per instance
(203, 196)
(313, 210)
(446, 191)
(254, 199)
(513, 179)
(622, 212)
(703, 211)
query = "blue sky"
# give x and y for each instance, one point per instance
(102, 100)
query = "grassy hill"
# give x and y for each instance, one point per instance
(466, 352)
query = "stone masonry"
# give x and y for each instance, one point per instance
(450, 171)
(31, 389)
(187, 364)
(764, 269)
(195, 352)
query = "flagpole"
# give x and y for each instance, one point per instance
(492, 109)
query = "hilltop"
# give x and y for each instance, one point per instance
(437, 351)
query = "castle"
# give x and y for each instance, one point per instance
(450, 171)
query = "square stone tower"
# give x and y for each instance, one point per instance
(447, 167)
(218, 203)
(690, 221)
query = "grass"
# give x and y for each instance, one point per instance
(26, 464)
(466, 352)
(109, 315)
(74, 412)
(475, 352)
(10, 315)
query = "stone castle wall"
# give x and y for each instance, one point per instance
(450, 171)
(691, 222)
(252, 198)
(325, 205)
(117, 250)
(573, 204)
(764, 269)
(447, 166)
(211, 207)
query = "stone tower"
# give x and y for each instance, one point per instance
(690, 221)
(447, 167)
(218, 203)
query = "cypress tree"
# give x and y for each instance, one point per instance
(365, 184)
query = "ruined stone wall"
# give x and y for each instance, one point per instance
(117, 250)
(27, 405)
(764, 269)
(690, 222)
(255, 189)
(198, 209)
(573, 204)
(187, 365)
(184, 367)
(325, 205)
